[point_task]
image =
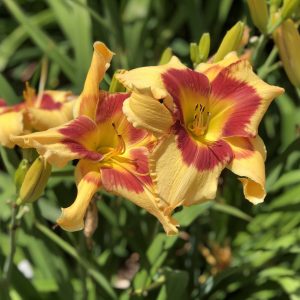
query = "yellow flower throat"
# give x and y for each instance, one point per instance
(200, 121)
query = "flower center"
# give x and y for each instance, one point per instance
(200, 121)
(110, 152)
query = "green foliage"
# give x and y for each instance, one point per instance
(260, 245)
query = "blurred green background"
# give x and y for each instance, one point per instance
(227, 249)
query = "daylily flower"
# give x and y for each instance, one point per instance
(112, 153)
(206, 120)
(36, 113)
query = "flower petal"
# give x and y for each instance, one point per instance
(11, 123)
(211, 70)
(89, 98)
(43, 119)
(88, 182)
(149, 77)
(248, 162)
(56, 96)
(134, 183)
(59, 145)
(143, 111)
(187, 172)
(239, 99)
(112, 122)
(188, 89)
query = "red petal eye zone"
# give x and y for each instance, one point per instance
(78, 128)
(204, 156)
(132, 177)
(48, 103)
(74, 134)
(110, 106)
(174, 80)
(237, 95)
(187, 88)
(2, 103)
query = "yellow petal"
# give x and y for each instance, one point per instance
(89, 180)
(11, 123)
(248, 163)
(242, 72)
(143, 111)
(60, 96)
(50, 144)
(177, 182)
(133, 182)
(43, 119)
(211, 70)
(149, 77)
(89, 98)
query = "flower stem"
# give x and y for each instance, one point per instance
(262, 40)
(89, 267)
(263, 70)
(7, 269)
(270, 69)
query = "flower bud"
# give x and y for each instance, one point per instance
(287, 39)
(230, 42)
(259, 14)
(204, 47)
(289, 7)
(194, 53)
(166, 56)
(20, 173)
(274, 4)
(34, 181)
(116, 86)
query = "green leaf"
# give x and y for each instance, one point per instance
(230, 210)
(42, 40)
(68, 13)
(10, 160)
(175, 285)
(13, 41)
(289, 178)
(189, 214)
(7, 92)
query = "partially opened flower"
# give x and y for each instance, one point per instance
(112, 153)
(206, 120)
(36, 113)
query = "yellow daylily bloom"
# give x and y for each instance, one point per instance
(212, 125)
(35, 113)
(112, 154)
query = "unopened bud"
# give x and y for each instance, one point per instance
(116, 86)
(274, 4)
(166, 56)
(194, 53)
(34, 181)
(204, 47)
(20, 173)
(230, 42)
(287, 39)
(259, 14)
(289, 7)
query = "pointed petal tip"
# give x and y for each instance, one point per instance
(253, 191)
(69, 224)
(102, 49)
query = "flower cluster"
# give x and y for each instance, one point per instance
(165, 141)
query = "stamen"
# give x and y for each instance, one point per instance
(200, 121)
(121, 148)
(110, 151)
(130, 161)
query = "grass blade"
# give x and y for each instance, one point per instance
(42, 40)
